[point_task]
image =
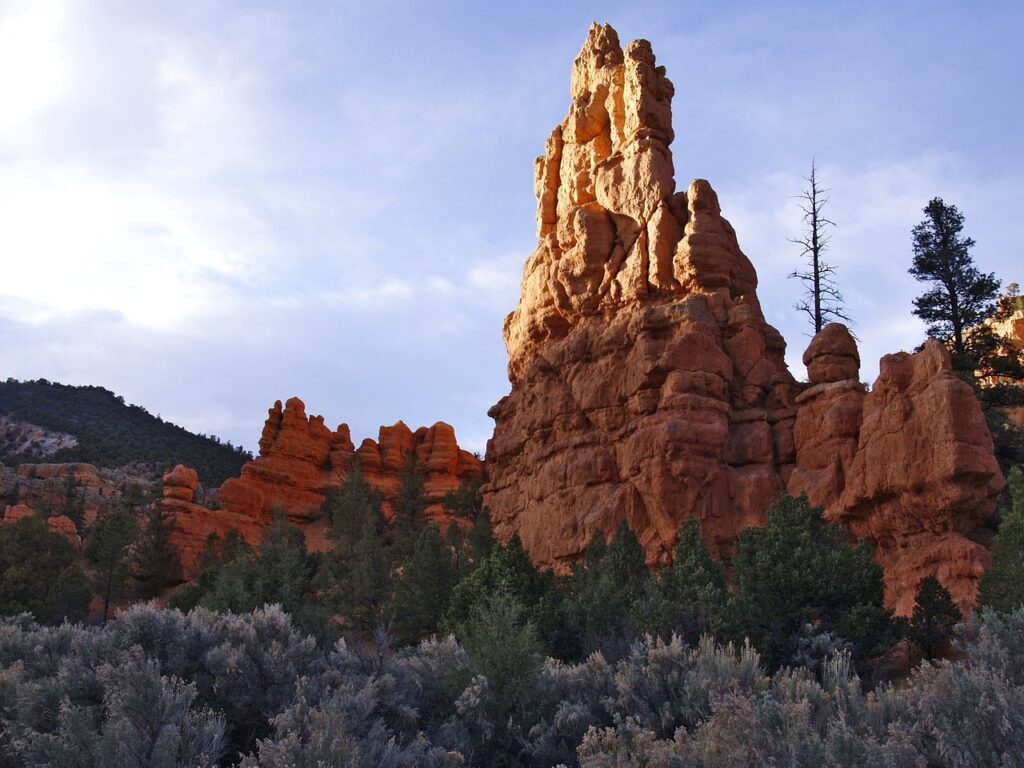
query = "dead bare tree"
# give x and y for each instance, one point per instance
(822, 300)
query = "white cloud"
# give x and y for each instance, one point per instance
(33, 67)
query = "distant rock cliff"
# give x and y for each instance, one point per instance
(301, 460)
(648, 387)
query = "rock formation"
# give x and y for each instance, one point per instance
(79, 489)
(191, 524)
(300, 462)
(647, 385)
(908, 467)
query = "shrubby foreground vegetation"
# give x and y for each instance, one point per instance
(163, 688)
(405, 647)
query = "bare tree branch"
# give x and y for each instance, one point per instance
(822, 300)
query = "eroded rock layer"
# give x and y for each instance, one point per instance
(647, 385)
(300, 461)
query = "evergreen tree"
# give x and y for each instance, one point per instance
(961, 296)
(612, 594)
(693, 590)
(1002, 587)
(355, 574)
(503, 647)
(935, 615)
(798, 569)
(74, 505)
(410, 508)
(466, 502)
(155, 558)
(508, 568)
(479, 542)
(39, 573)
(423, 588)
(110, 553)
(235, 578)
(215, 556)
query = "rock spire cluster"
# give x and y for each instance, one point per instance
(300, 461)
(648, 387)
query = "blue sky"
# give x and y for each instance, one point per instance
(209, 206)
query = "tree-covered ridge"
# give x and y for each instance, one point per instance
(112, 433)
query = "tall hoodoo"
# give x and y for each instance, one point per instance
(646, 383)
(647, 386)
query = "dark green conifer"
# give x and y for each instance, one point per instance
(935, 615)
(1002, 587)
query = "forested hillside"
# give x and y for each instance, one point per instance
(107, 432)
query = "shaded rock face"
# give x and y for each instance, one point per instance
(909, 467)
(59, 523)
(192, 523)
(88, 491)
(647, 385)
(300, 462)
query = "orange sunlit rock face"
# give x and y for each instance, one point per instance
(648, 387)
(300, 462)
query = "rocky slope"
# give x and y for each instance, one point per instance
(647, 385)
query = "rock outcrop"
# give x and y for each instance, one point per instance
(646, 384)
(300, 462)
(648, 387)
(191, 523)
(61, 524)
(77, 489)
(909, 467)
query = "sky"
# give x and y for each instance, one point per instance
(208, 206)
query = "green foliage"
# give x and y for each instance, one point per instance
(693, 589)
(508, 569)
(113, 434)
(798, 569)
(961, 297)
(934, 618)
(39, 573)
(423, 587)
(410, 509)
(110, 553)
(155, 563)
(611, 594)
(355, 577)
(505, 656)
(235, 578)
(471, 545)
(1002, 587)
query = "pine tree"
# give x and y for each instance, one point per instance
(1002, 587)
(110, 552)
(356, 572)
(961, 296)
(28, 548)
(693, 590)
(423, 588)
(155, 557)
(410, 508)
(935, 615)
(612, 594)
(798, 569)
